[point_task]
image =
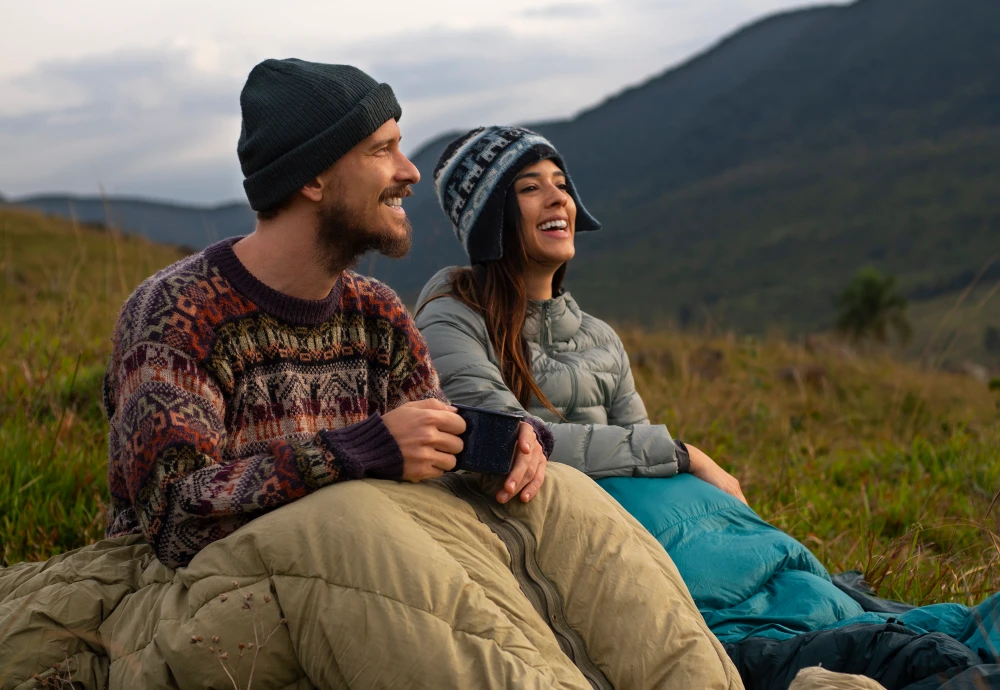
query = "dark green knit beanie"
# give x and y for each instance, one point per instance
(299, 118)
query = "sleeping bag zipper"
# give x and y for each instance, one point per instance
(539, 590)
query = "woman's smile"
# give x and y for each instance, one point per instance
(556, 229)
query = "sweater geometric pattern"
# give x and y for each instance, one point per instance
(227, 399)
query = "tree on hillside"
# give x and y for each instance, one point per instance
(872, 307)
(991, 340)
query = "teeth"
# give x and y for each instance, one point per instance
(394, 202)
(552, 224)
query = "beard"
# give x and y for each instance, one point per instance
(346, 234)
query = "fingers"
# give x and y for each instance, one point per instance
(739, 494)
(531, 490)
(444, 442)
(528, 471)
(447, 420)
(431, 466)
(720, 479)
(732, 487)
(430, 404)
(443, 461)
(516, 479)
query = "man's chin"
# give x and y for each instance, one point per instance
(396, 241)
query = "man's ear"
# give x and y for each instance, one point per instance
(313, 190)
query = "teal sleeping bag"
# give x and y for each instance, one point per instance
(750, 579)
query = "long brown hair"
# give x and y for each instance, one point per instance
(496, 290)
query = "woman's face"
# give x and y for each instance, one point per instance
(548, 213)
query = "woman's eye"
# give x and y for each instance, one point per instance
(529, 188)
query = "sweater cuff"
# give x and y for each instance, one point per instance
(544, 435)
(682, 456)
(365, 449)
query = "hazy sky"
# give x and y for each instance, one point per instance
(142, 98)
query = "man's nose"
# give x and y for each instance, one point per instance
(407, 172)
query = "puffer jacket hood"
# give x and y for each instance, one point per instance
(578, 361)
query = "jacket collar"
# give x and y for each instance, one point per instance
(556, 320)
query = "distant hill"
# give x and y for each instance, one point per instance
(746, 186)
(188, 226)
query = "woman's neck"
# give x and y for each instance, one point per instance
(538, 282)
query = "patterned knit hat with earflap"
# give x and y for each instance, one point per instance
(472, 178)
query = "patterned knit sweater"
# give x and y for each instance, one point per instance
(227, 399)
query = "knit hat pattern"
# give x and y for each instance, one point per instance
(472, 179)
(299, 118)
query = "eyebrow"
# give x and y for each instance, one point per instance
(536, 174)
(388, 140)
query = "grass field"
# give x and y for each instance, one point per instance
(870, 462)
(60, 291)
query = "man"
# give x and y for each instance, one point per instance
(259, 370)
(262, 373)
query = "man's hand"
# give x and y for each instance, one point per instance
(427, 434)
(528, 472)
(705, 469)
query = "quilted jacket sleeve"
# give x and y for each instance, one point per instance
(463, 357)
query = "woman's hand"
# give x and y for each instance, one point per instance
(528, 472)
(706, 469)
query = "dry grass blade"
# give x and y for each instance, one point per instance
(958, 303)
(993, 504)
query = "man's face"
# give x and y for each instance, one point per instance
(362, 206)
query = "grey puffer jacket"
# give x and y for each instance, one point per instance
(579, 363)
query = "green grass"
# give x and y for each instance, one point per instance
(60, 291)
(870, 462)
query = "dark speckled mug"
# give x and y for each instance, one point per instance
(490, 439)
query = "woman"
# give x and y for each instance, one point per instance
(503, 334)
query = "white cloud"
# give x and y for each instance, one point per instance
(145, 96)
(563, 10)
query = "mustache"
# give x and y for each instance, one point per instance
(400, 191)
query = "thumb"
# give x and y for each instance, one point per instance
(526, 434)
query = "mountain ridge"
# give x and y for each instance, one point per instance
(748, 183)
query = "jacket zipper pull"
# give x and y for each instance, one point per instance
(548, 325)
